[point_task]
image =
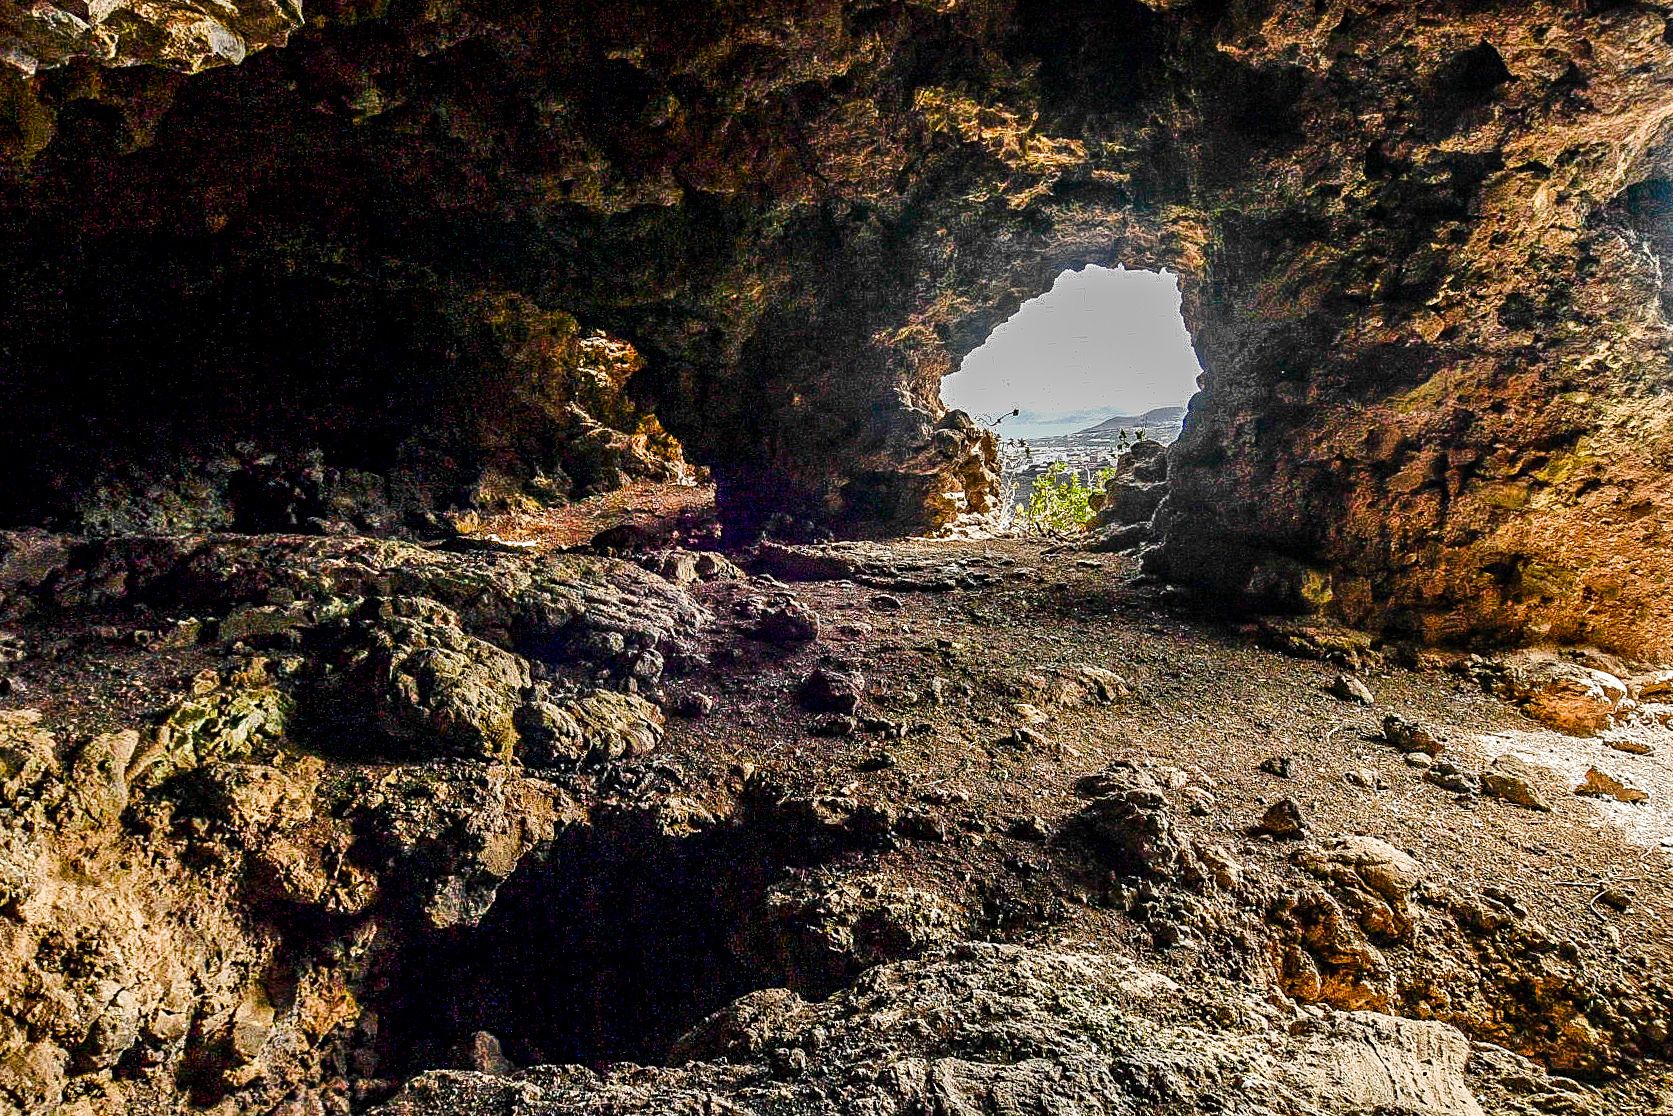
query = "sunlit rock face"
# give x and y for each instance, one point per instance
(1421, 248)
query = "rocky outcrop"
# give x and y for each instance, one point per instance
(1057, 1032)
(210, 897)
(1422, 256)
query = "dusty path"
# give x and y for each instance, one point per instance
(1003, 621)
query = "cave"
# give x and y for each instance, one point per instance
(337, 726)
(799, 263)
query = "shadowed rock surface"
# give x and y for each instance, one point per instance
(1421, 249)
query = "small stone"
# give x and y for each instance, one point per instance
(791, 622)
(1419, 760)
(921, 825)
(1509, 779)
(1411, 736)
(883, 602)
(1630, 745)
(877, 761)
(828, 690)
(1616, 898)
(1600, 784)
(1365, 777)
(1349, 688)
(693, 703)
(835, 724)
(882, 726)
(1658, 684)
(1451, 777)
(1030, 828)
(1281, 766)
(1024, 737)
(1282, 819)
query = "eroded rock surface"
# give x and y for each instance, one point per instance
(1057, 1032)
(331, 825)
(1422, 254)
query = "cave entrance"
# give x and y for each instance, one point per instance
(1072, 381)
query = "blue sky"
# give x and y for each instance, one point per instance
(1101, 342)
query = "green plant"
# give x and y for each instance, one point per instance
(1060, 501)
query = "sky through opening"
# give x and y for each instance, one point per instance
(1102, 342)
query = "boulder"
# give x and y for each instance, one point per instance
(1567, 696)
(828, 690)
(1601, 784)
(432, 689)
(1515, 781)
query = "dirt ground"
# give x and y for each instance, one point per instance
(1204, 697)
(1010, 691)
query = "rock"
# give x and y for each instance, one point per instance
(1281, 766)
(1422, 761)
(829, 690)
(1367, 778)
(1349, 688)
(1451, 777)
(1656, 684)
(432, 688)
(1512, 780)
(1567, 696)
(824, 931)
(1220, 865)
(1617, 898)
(692, 703)
(1374, 867)
(1128, 502)
(834, 724)
(1030, 828)
(1098, 685)
(1601, 784)
(1132, 830)
(687, 567)
(481, 1053)
(597, 728)
(1283, 819)
(883, 602)
(1118, 539)
(789, 622)
(1411, 736)
(29, 559)
(1024, 737)
(1320, 641)
(807, 563)
(263, 625)
(895, 1042)
(1628, 744)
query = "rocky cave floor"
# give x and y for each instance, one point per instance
(320, 825)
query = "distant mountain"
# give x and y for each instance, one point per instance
(1160, 416)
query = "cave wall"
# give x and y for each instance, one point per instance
(1422, 248)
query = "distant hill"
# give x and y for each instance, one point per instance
(1161, 416)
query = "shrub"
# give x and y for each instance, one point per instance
(1060, 503)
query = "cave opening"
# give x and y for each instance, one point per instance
(1077, 378)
